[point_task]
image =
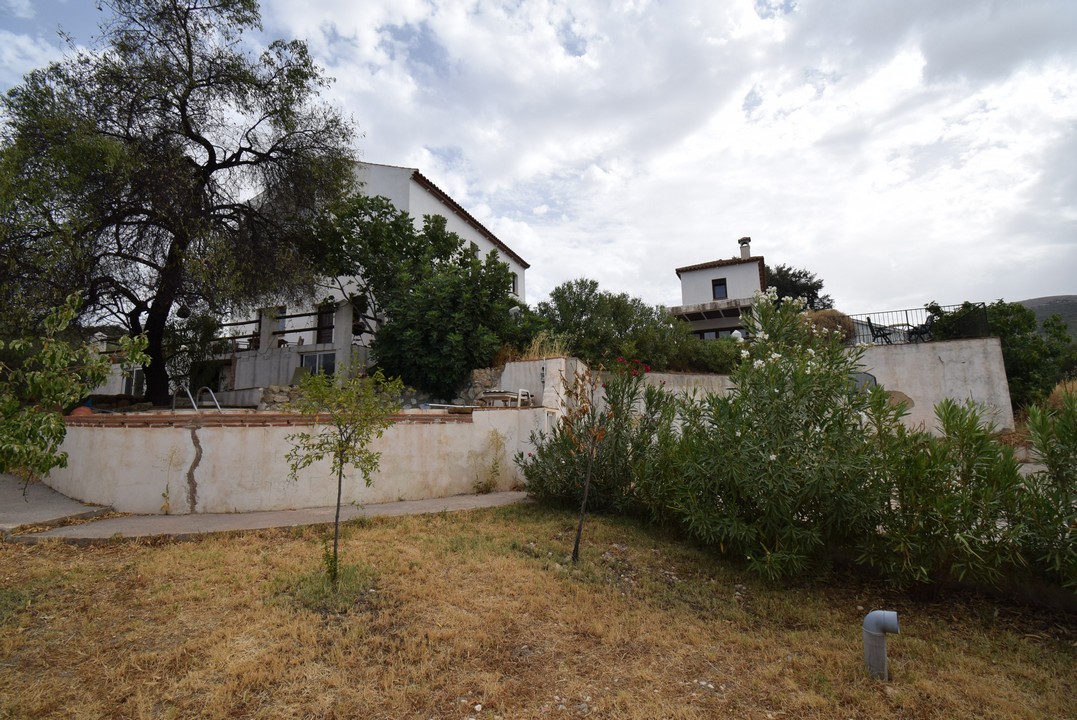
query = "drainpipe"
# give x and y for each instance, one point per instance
(876, 624)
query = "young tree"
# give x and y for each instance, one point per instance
(53, 375)
(790, 282)
(167, 168)
(356, 409)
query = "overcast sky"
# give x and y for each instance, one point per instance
(903, 150)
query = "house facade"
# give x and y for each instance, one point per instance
(715, 294)
(281, 341)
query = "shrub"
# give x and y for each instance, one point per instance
(1050, 497)
(796, 465)
(953, 510)
(775, 472)
(633, 424)
(833, 321)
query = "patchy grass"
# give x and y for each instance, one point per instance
(450, 612)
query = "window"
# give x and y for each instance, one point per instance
(718, 290)
(324, 331)
(135, 383)
(515, 284)
(319, 362)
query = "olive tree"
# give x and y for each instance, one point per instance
(167, 169)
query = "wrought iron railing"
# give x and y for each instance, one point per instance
(933, 322)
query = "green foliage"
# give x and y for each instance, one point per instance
(954, 512)
(1036, 358)
(1050, 507)
(451, 321)
(127, 170)
(355, 409)
(776, 473)
(445, 309)
(599, 326)
(790, 283)
(369, 239)
(53, 375)
(796, 465)
(633, 429)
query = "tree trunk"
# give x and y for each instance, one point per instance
(583, 505)
(334, 571)
(158, 391)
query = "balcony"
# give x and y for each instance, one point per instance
(934, 322)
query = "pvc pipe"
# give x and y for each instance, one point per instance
(876, 624)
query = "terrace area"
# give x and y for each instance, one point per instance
(925, 324)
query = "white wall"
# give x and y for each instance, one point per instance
(928, 372)
(742, 281)
(397, 184)
(137, 465)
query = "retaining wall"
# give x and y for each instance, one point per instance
(184, 463)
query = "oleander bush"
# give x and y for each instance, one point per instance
(797, 465)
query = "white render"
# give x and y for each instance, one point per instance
(414, 194)
(742, 282)
(161, 470)
(744, 276)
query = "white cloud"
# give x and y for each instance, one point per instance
(19, 8)
(904, 150)
(19, 54)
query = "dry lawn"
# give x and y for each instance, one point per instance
(480, 609)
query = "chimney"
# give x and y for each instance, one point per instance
(745, 248)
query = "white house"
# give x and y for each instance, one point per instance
(268, 348)
(715, 293)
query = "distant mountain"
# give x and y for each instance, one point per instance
(1064, 305)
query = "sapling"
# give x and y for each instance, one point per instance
(350, 411)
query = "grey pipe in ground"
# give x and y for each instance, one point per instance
(876, 624)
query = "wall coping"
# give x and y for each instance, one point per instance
(245, 419)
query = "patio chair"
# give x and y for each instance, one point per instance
(922, 333)
(879, 333)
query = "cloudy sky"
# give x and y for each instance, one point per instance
(903, 150)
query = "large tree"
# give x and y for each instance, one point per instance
(791, 282)
(599, 326)
(167, 170)
(440, 309)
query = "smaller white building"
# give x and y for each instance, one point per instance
(714, 294)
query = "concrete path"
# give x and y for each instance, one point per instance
(46, 506)
(39, 505)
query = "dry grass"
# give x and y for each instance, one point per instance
(480, 608)
(1065, 387)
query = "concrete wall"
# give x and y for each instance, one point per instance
(699, 384)
(544, 378)
(163, 463)
(925, 373)
(742, 281)
(920, 374)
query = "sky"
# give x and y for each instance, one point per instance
(905, 151)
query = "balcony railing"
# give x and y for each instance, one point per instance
(936, 322)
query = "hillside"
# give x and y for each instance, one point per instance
(1064, 305)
